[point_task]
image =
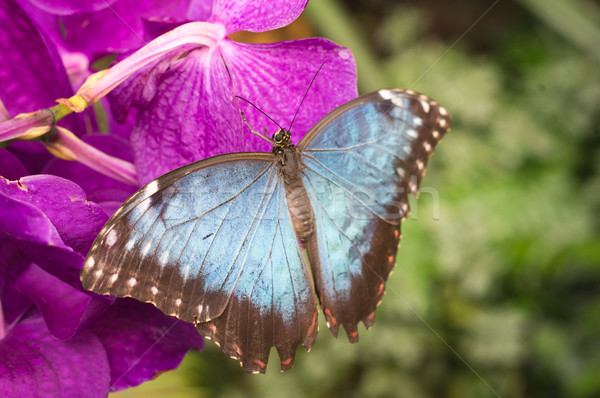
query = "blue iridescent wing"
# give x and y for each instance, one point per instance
(212, 243)
(360, 161)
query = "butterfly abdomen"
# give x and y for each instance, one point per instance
(295, 192)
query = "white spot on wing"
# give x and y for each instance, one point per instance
(164, 257)
(178, 302)
(400, 171)
(98, 273)
(146, 249)
(442, 122)
(132, 282)
(425, 104)
(90, 262)
(417, 121)
(151, 188)
(443, 111)
(129, 244)
(111, 238)
(427, 146)
(113, 278)
(412, 133)
(436, 134)
(419, 165)
(386, 94)
(154, 290)
(412, 186)
(186, 271)
(200, 307)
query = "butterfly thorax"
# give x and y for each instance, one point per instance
(290, 166)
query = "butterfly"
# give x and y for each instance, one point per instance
(244, 244)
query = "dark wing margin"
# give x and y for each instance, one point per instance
(212, 243)
(361, 161)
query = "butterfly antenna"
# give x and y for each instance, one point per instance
(309, 86)
(260, 110)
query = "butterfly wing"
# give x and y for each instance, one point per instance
(360, 161)
(212, 243)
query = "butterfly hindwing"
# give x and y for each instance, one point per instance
(213, 244)
(361, 161)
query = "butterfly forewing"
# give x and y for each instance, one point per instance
(212, 243)
(360, 161)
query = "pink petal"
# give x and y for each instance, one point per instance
(36, 364)
(256, 15)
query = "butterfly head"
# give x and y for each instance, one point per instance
(281, 140)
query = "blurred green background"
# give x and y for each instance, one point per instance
(497, 287)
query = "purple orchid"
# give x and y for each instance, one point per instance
(55, 338)
(187, 99)
(183, 84)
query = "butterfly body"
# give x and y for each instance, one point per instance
(220, 242)
(290, 167)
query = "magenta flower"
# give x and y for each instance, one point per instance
(55, 338)
(185, 97)
(182, 90)
(183, 86)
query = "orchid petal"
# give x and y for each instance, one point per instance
(115, 29)
(192, 117)
(141, 341)
(65, 205)
(36, 364)
(65, 7)
(276, 76)
(192, 113)
(12, 265)
(65, 309)
(256, 15)
(10, 167)
(32, 75)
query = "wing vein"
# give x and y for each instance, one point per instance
(347, 191)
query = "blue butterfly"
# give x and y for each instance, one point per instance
(220, 242)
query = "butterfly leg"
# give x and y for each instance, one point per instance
(264, 137)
